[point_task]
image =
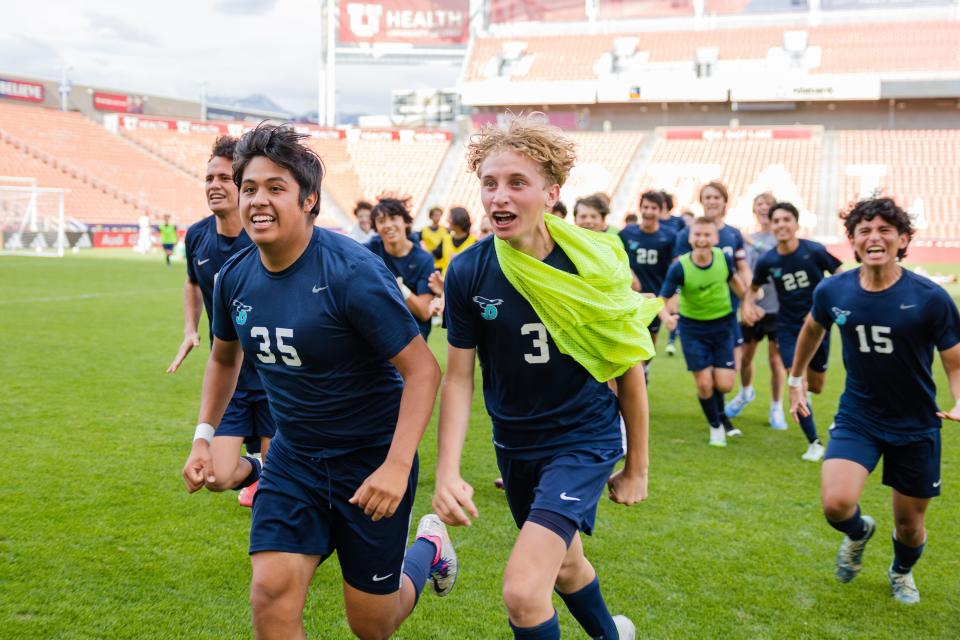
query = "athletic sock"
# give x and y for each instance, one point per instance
(854, 527)
(905, 557)
(417, 563)
(709, 406)
(589, 609)
(808, 425)
(721, 403)
(746, 391)
(775, 404)
(254, 474)
(549, 630)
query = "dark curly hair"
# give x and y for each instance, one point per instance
(869, 208)
(223, 147)
(391, 207)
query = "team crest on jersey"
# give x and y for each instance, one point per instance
(242, 310)
(776, 271)
(488, 308)
(633, 244)
(839, 315)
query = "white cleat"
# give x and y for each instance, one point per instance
(739, 401)
(850, 553)
(903, 588)
(814, 452)
(443, 573)
(778, 421)
(718, 437)
(625, 628)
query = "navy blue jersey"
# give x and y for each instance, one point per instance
(207, 251)
(322, 332)
(650, 254)
(730, 241)
(415, 269)
(795, 276)
(674, 223)
(540, 400)
(888, 341)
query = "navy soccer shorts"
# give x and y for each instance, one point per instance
(911, 462)
(568, 483)
(301, 506)
(705, 349)
(765, 328)
(247, 416)
(787, 343)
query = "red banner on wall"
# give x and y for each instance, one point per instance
(20, 90)
(117, 102)
(418, 22)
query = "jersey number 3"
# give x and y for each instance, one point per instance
(287, 352)
(539, 343)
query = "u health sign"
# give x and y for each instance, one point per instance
(20, 90)
(417, 22)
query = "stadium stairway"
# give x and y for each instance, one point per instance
(625, 200)
(441, 183)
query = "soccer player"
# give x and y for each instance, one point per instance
(433, 234)
(757, 244)
(556, 425)
(559, 209)
(890, 321)
(703, 280)
(406, 260)
(363, 230)
(796, 267)
(458, 240)
(352, 385)
(649, 248)
(667, 219)
(209, 243)
(168, 237)
(590, 212)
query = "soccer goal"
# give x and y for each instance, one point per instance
(33, 221)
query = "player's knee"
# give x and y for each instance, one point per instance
(520, 599)
(272, 597)
(815, 385)
(371, 628)
(705, 389)
(837, 506)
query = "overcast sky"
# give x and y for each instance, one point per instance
(239, 47)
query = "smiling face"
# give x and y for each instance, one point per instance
(269, 205)
(703, 236)
(783, 225)
(649, 214)
(515, 194)
(877, 242)
(588, 217)
(391, 229)
(714, 204)
(221, 191)
(761, 209)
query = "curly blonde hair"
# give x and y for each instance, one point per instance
(531, 136)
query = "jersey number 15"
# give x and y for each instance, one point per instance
(879, 341)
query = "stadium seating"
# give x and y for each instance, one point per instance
(189, 151)
(920, 169)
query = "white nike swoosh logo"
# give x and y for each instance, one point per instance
(937, 484)
(377, 578)
(907, 306)
(319, 289)
(202, 262)
(564, 496)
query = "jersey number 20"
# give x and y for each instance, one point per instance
(647, 256)
(287, 352)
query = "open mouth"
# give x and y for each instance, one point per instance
(876, 251)
(262, 220)
(503, 219)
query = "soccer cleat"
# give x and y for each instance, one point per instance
(730, 428)
(778, 421)
(850, 554)
(718, 437)
(814, 452)
(245, 497)
(625, 628)
(443, 573)
(671, 350)
(498, 483)
(903, 588)
(737, 404)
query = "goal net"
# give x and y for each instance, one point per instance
(33, 221)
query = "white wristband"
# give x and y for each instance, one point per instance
(795, 381)
(204, 432)
(405, 290)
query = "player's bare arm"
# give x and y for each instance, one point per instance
(382, 491)
(219, 382)
(951, 364)
(629, 485)
(192, 303)
(811, 335)
(453, 497)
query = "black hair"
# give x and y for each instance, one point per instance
(596, 201)
(786, 206)
(391, 207)
(656, 197)
(223, 147)
(630, 218)
(667, 200)
(868, 209)
(560, 209)
(434, 210)
(281, 145)
(361, 205)
(460, 217)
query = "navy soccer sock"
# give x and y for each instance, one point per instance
(854, 527)
(417, 563)
(254, 474)
(588, 607)
(808, 426)
(709, 406)
(549, 630)
(905, 557)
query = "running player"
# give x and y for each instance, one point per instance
(209, 243)
(757, 244)
(556, 425)
(703, 280)
(667, 219)
(590, 212)
(408, 263)
(890, 321)
(458, 240)
(352, 386)
(796, 267)
(363, 230)
(649, 248)
(168, 237)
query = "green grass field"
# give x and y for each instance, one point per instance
(99, 539)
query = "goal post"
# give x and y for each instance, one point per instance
(33, 218)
